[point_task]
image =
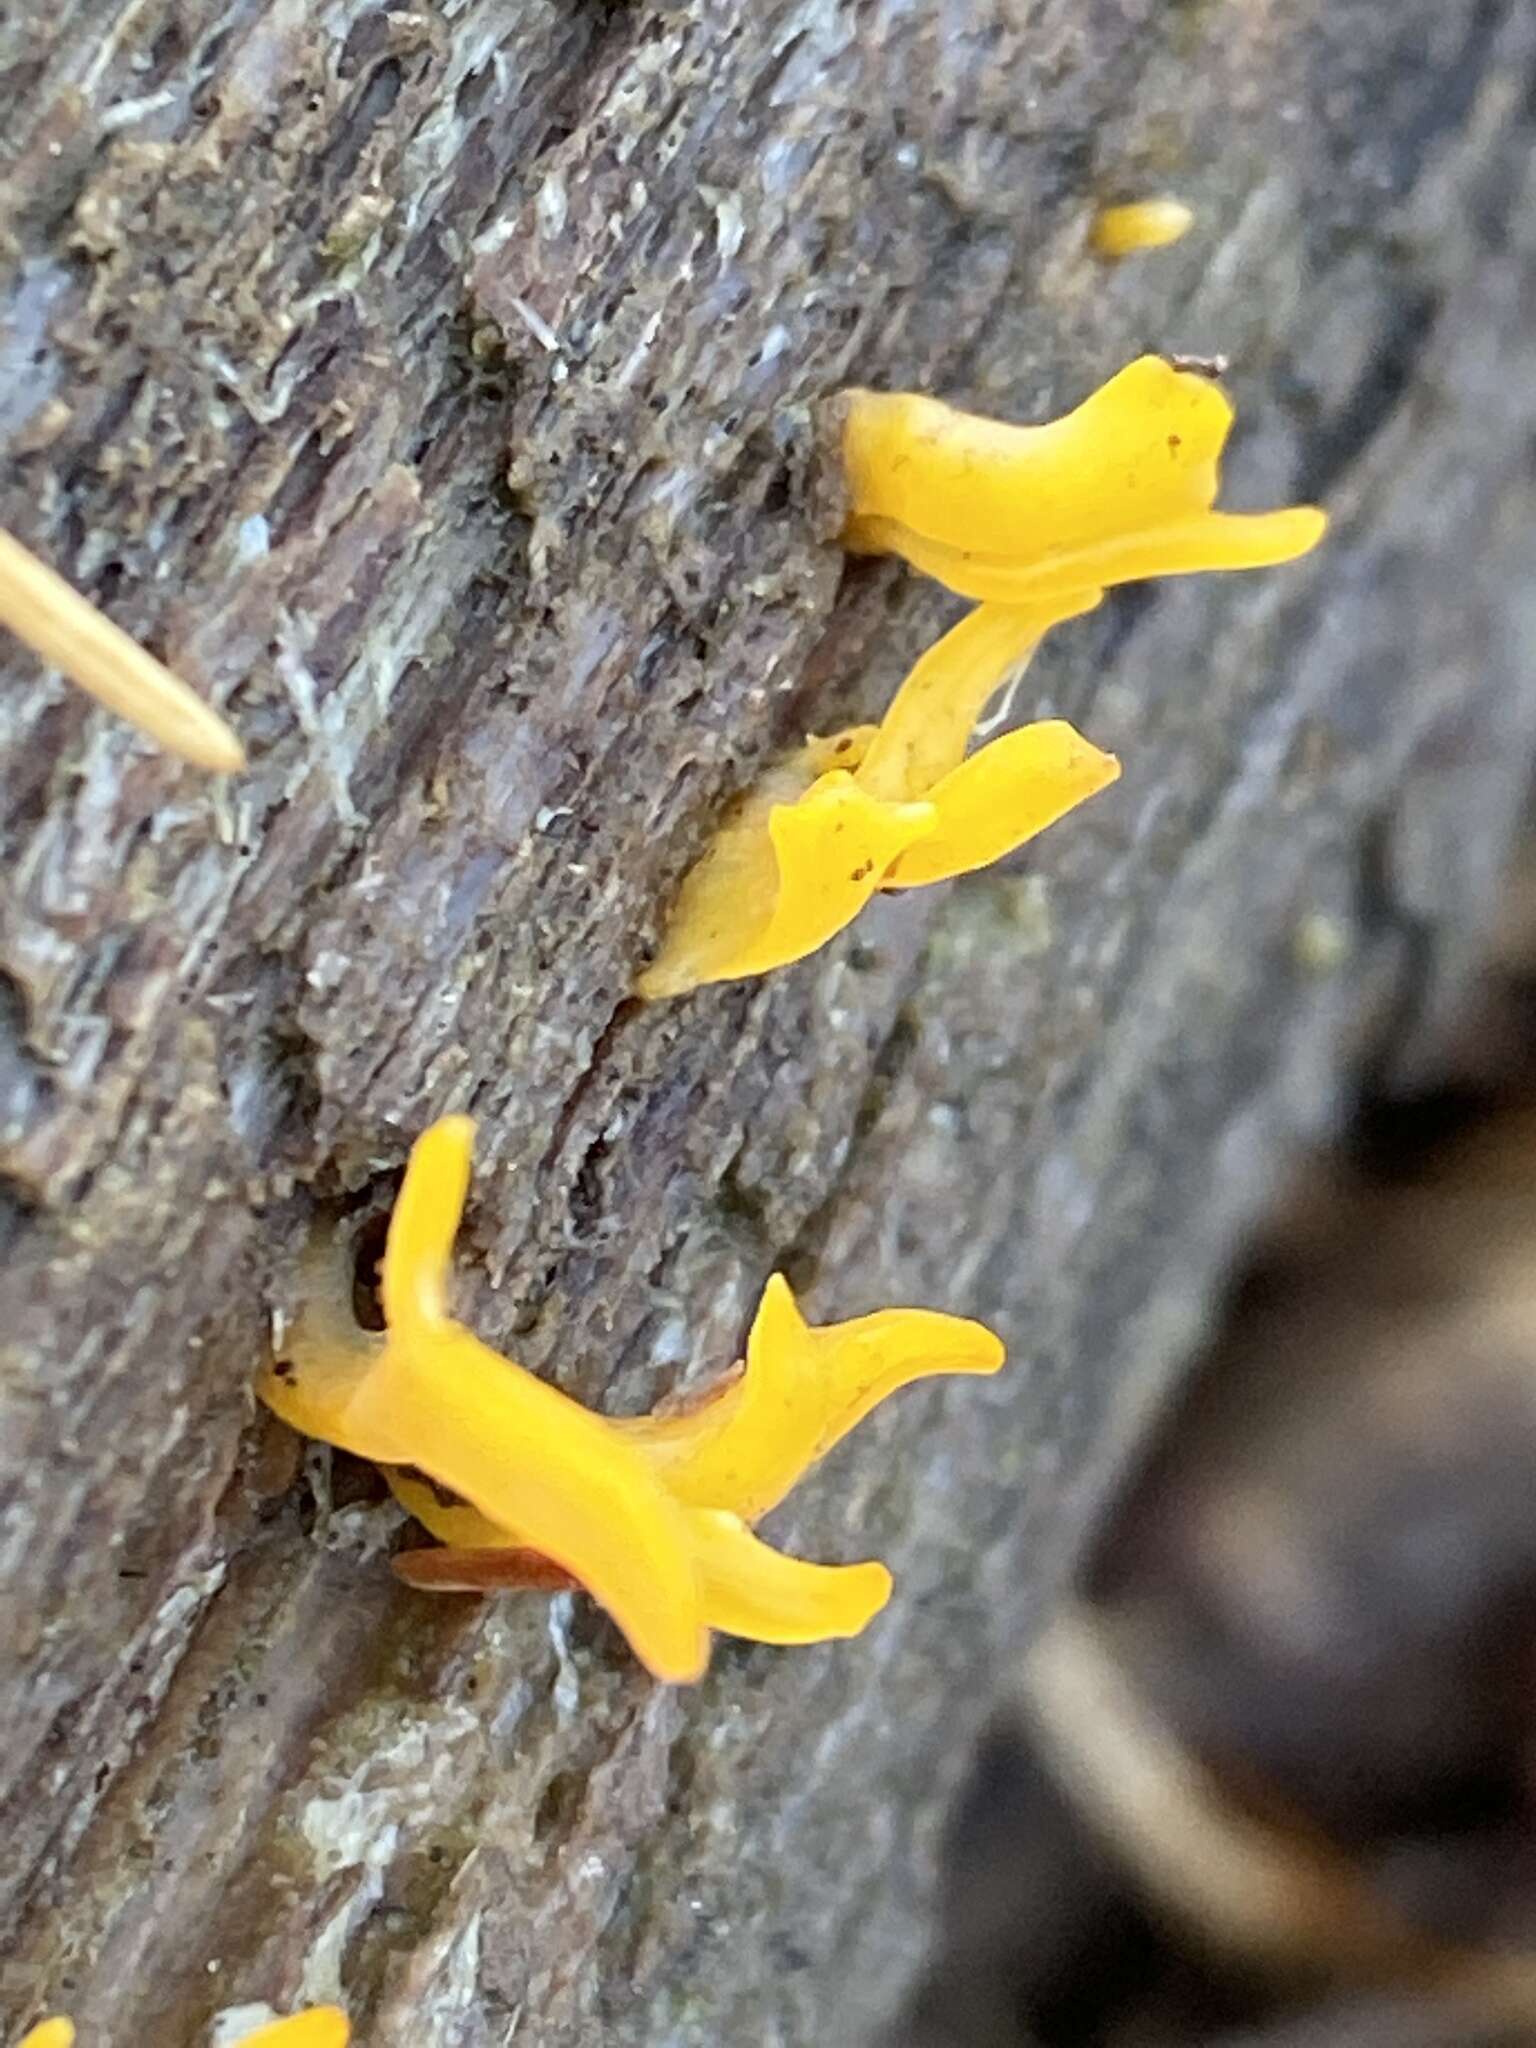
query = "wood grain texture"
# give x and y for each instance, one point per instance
(433, 388)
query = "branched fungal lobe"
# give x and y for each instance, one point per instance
(1120, 489)
(1036, 522)
(652, 1515)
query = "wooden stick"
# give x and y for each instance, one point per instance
(70, 634)
(1260, 1893)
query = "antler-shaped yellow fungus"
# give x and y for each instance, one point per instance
(69, 633)
(880, 807)
(1141, 224)
(1035, 521)
(1120, 489)
(323, 2026)
(650, 1515)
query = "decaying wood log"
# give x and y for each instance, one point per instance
(432, 387)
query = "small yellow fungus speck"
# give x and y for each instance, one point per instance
(651, 1514)
(54, 2033)
(1143, 224)
(68, 632)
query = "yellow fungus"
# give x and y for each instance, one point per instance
(68, 632)
(1001, 797)
(323, 2026)
(1142, 224)
(748, 1588)
(1182, 547)
(1118, 490)
(806, 850)
(792, 865)
(430, 1394)
(650, 1514)
(924, 735)
(1036, 522)
(799, 1392)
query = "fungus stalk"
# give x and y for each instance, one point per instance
(1142, 224)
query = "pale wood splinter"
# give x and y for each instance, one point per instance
(68, 632)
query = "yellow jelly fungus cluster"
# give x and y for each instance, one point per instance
(1142, 224)
(651, 1515)
(1121, 489)
(324, 2026)
(68, 632)
(1036, 523)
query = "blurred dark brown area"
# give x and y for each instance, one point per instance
(1268, 1779)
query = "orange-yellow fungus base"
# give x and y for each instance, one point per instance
(776, 882)
(323, 2026)
(651, 1514)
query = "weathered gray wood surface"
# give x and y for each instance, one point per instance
(285, 288)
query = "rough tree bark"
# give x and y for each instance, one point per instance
(431, 383)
